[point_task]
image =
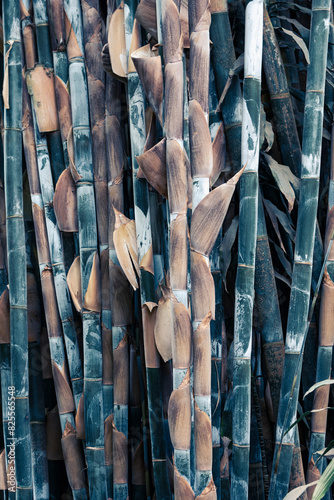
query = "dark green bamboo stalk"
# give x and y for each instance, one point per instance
(301, 281)
(88, 242)
(223, 57)
(281, 105)
(39, 174)
(16, 245)
(246, 250)
(144, 244)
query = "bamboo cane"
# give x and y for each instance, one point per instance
(246, 249)
(144, 244)
(300, 291)
(16, 244)
(63, 390)
(89, 268)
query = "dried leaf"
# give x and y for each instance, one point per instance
(179, 416)
(40, 82)
(74, 283)
(120, 458)
(65, 397)
(182, 335)
(203, 288)
(65, 203)
(146, 15)
(300, 42)
(64, 107)
(163, 329)
(116, 42)
(209, 215)
(125, 242)
(286, 181)
(203, 436)
(73, 458)
(153, 165)
(226, 247)
(92, 299)
(200, 141)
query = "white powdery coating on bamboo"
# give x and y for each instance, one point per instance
(240, 299)
(128, 32)
(201, 187)
(40, 12)
(310, 165)
(253, 38)
(73, 11)
(14, 31)
(44, 170)
(37, 200)
(249, 142)
(143, 232)
(182, 296)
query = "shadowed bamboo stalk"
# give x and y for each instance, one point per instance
(17, 279)
(301, 279)
(281, 105)
(223, 57)
(89, 261)
(244, 288)
(38, 175)
(145, 259)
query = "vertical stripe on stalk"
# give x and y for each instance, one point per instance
(244, 291)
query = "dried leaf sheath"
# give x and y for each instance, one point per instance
(244, 289)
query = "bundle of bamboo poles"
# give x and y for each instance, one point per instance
(166, 227)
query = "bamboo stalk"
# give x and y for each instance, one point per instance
(16, 244)
(144, 244)
(285, 124)
(301, 282)
(244, 289)
(35, 166)
(93, 397)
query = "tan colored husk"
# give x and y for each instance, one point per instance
(178, 251)
(177, 176)
(120, 296)
(182, 336)
(73, 49)
(3, 473)
(30, 49)
(92, 299)
(200, 141)
(40, 82)
(73, 458)
(202, 358)
(121, 368)
(319, 419)
(147, 62)
(326, 313)
(179, 415)
(313, 474)
(125, 242)
(116, 41)
(174, 100)
(184, 23)
(210, 214)
(171, 28)
(149, 312)
(153, 166)
(218, 6)
(41, 234)
(203, 289)
(134, 45)
(218, 153)
(4, 317)
(146, 15)
(182, 488)
(65, 203)
(50, 303)
(203, 436)
(80, 419)
(74, 283)
(120, 459)
(63, 100)
(53, 435)
(57, 23)
(114, 146)
(147, 263)
(163, 329)
(209, 492)
(199, 68)
(64, 393)
(108, 440)
(138, 465)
